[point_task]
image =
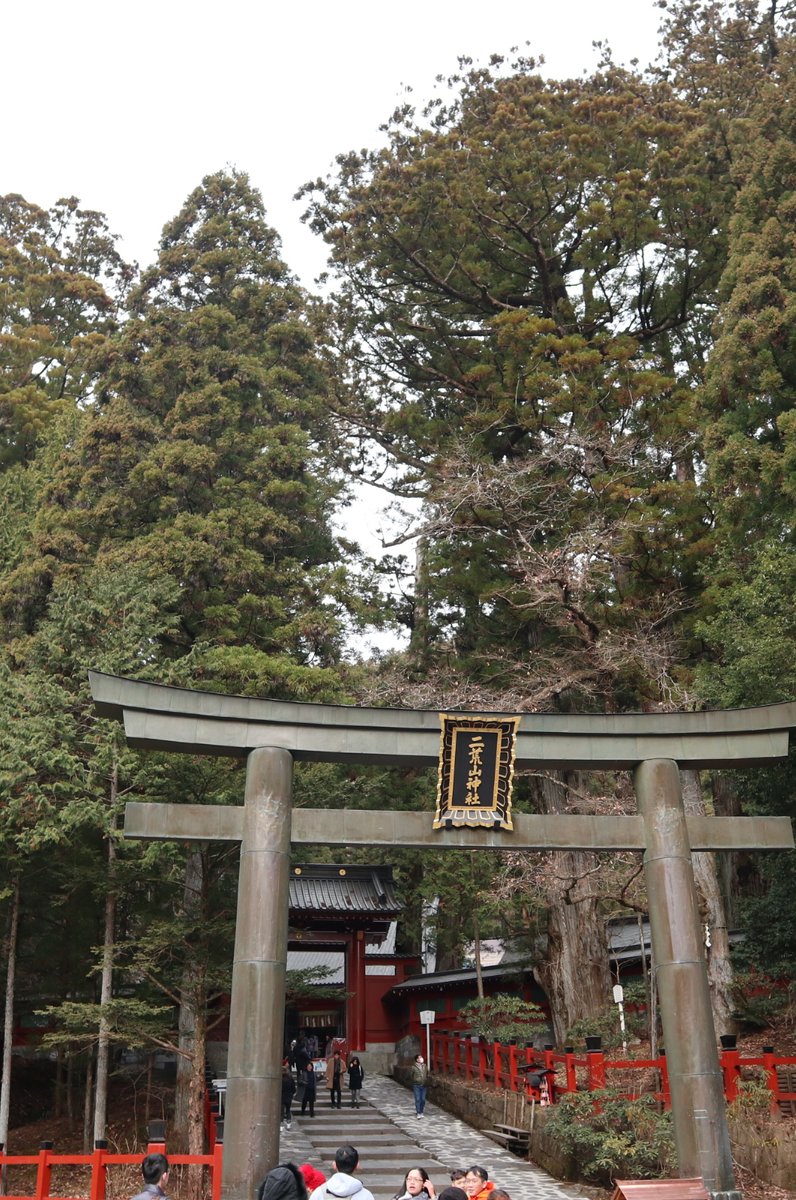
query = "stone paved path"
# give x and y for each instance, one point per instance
(390, 1140)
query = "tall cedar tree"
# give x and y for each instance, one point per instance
(200, 464)
(203, 456)
(748, 407)
(527, 278)
(60, 276)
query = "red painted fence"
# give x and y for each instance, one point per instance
(97, 1164)
(511, 1067)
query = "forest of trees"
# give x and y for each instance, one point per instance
(560, 317)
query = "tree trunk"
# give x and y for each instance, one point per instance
(87, 1105)
(70, 1088)
(738, 871)
(421, 629)
(196, 1102)
(106, 992)
(479, 975)
(8, 1021)
(576, 973)
(190, 1017)
(720, 974)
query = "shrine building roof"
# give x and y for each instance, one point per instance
(331, 889)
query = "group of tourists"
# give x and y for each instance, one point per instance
(303, 1087)
(471, 1183)
(288, 1182)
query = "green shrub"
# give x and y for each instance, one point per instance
(753, 1101)
(611, 1137)
(758, 1000)
(606, 1024)
(504, 1018)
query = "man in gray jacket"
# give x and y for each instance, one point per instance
(342, 1185)
(155, 1170)
(419, 1084)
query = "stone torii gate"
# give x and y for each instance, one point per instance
(270, 734)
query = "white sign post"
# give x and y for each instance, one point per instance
(619, 996)
(427, 1018)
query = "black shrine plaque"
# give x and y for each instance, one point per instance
(476, 771)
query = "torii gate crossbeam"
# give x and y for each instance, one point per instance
(270, 734)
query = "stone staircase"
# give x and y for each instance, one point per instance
(386, 1153)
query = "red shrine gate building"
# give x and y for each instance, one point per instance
(343, 921)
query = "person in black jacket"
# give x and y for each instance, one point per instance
(285, 1182)
(288, 1092)
(356, 1077)
(309, 1080)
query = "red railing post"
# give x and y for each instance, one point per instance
(99, 1171)
(43, 1171)
(772, 1078)
(457, 1047)
(513, 1079)
(595, 1069)
(496, 1063)
(664, 1067)
(468, 1059)
(218, 1152)
(569, 1068)
(731, 1070)
(550, 1067)
(481, 1061)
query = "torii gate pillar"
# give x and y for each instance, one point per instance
(257, 1014)
(695, 1078)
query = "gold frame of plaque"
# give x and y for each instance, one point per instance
(476, 771)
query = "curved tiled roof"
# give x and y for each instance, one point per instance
(333, 889)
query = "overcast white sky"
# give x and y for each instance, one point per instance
(128, 105)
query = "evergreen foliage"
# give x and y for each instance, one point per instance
(564, 322)
(611, 1137)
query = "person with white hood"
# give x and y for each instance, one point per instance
(342, 1185)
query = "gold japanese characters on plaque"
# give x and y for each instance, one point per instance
(476, 771)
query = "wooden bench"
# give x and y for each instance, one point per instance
(509, 1136)
(660, 1189)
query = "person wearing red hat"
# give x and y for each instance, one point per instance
(312, 1178)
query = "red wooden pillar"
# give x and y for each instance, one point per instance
(595, 1070)
(731, 1070)
(356, 982)
(44, 1171)
(513, 1082)
(99, 1171)
(667, 1095)
(497, 1077)
(772, 1079)
(569, 1068)
(218, 1151)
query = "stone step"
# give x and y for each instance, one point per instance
(393, 1161)
(387, 1147)
(361, 1116)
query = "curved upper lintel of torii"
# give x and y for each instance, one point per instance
(156, 716)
